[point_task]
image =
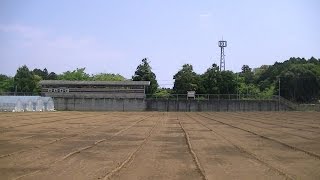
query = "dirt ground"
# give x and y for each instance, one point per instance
(160, 145)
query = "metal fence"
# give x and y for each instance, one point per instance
(209, 97)
(20, 94)
(169, 96)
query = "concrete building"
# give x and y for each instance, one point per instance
(94, 89)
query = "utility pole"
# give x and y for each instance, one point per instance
(238, 93)
(279, 95)
(15, 90)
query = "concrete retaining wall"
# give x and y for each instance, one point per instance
(86, 104)
(214, 105)
(101, 104)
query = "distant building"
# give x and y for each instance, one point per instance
(94, 89)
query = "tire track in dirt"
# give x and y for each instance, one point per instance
(164, 156)
(297, 115)
(287, 117)
(192, 152)
(31, 118)
(58, 130)
(243, 150)
(29, 115)
(49, 143)
(32, 136)
(54, 141)
(102, 140)
(130, 158)
(265, 137)
(60, 115)
(85, 148)
(307, 130)
(271, 129)
(293, 139)
(46, 122)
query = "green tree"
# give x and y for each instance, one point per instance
(314, 61)
(52, 76)
(107, 77)
(301, 83)
(219, 82)
(247, 74)
(42, 73)
(24, 80)
(6, 83)
(144, 73)
(77, 75)
(227, 82)
(36, 79)
(162, 93)
(186, 80)
(299, 79)
(209, 80)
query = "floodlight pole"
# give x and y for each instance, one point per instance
(222, 44)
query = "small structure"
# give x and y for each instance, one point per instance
(94, 89)
(191, 94)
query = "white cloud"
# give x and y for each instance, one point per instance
(43, 48)
(37, 39)
(24, 31)
(205, 15)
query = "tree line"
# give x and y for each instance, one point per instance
(27, 81)
(299, 80)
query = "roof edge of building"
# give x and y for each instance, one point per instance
(68, 82)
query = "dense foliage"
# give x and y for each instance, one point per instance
(144, 73)
(299, 80)
(27, 81)
(186, 80)
(6, 83)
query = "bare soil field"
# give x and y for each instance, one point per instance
(160, 145)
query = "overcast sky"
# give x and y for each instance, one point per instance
(113, 36)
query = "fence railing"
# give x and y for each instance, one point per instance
(19, 94)
(169, 96)
(208, 97)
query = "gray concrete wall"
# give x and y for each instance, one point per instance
(214, 105)
(99, 104)
(103, 104)
(309, 107)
